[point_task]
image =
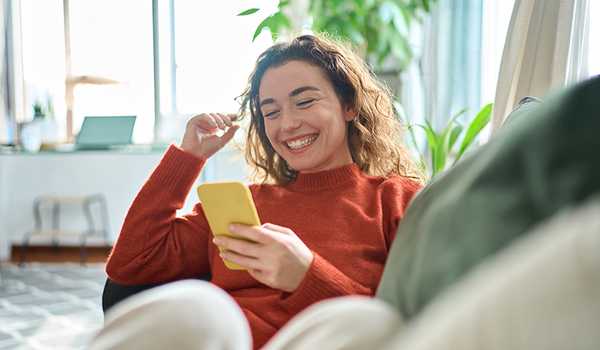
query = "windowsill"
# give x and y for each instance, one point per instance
(71, 149)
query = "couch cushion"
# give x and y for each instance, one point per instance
(536, 165)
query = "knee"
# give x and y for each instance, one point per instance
(344, 313)
(354, 309)
(195, 311)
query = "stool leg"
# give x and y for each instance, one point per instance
(87, 209)
(55, 223)
(105, 221)
(24, 246)
(37, 217)
(82, 252)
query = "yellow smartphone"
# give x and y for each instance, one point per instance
(226, 203)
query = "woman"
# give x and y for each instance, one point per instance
(336, 180)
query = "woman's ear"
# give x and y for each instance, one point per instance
(349, 113)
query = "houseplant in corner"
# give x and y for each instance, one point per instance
(445, 147)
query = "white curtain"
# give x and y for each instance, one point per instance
(545, 48)
(4, 117)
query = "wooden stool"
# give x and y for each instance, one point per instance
(95, 227)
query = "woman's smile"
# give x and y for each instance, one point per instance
(299, 144)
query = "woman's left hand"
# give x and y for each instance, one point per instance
(276, 257)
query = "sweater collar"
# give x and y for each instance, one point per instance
(326, 178)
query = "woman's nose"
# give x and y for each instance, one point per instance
(290, 121)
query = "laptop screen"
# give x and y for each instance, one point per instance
(105, 131)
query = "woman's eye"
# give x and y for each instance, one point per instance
(271, 114)
(304, 103)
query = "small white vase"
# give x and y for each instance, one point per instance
(31, 136)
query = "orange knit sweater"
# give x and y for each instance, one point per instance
(347, 219)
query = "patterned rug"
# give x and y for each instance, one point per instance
(50, 306)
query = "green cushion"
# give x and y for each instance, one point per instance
(536, 165)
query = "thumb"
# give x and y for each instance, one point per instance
(228, 135)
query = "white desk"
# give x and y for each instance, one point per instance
(116, 174)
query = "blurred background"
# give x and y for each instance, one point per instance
(452, 66)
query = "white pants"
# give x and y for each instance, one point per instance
(198, 315)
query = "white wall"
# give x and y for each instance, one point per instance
(117, 175)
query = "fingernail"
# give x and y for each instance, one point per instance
(232, 228)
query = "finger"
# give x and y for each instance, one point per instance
(232, 116)
(228, 135)
(277, 228)
(244, 261)
(206, 123)
(218, 120)
(256, 274)
(253, 233)
(238, 246)
(225, 118)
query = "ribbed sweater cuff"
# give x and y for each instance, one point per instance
(322, 281)
(177, 172)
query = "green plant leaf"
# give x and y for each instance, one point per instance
(401, 49)
(401, 114)
(283, 3)
(248, 12)
(458, 114)
(447, 135)
(454, 134)
(480, 121)
(438, 158)
(275, 23)
(261, 26)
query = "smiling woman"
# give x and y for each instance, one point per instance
(323, 130)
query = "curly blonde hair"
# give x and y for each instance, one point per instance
(374, 135)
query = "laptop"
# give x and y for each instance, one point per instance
(102, 133)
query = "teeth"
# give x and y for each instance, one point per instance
(303, 142)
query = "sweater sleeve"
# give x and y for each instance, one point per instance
(154, 244)
(322, 281)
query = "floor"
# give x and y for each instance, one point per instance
(59, 254)
(50, 305)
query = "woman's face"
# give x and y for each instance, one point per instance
(304, 119)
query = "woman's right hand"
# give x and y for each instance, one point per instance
(200, 138)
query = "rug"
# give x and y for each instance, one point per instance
(50, 306)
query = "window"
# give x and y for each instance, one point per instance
(110, 40)
(213, 56)
(496, 16)
(594, 32)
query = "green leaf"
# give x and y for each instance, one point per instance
(401, 113)
(437, 157)
(261, 26)
(480, 121)
(447, 132)
(454, 134)
(275, 23)
(400, 49)
(283, 3)
(248, 12)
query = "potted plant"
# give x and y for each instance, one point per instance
(42, 131)
(445, 147)
(378, 28)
